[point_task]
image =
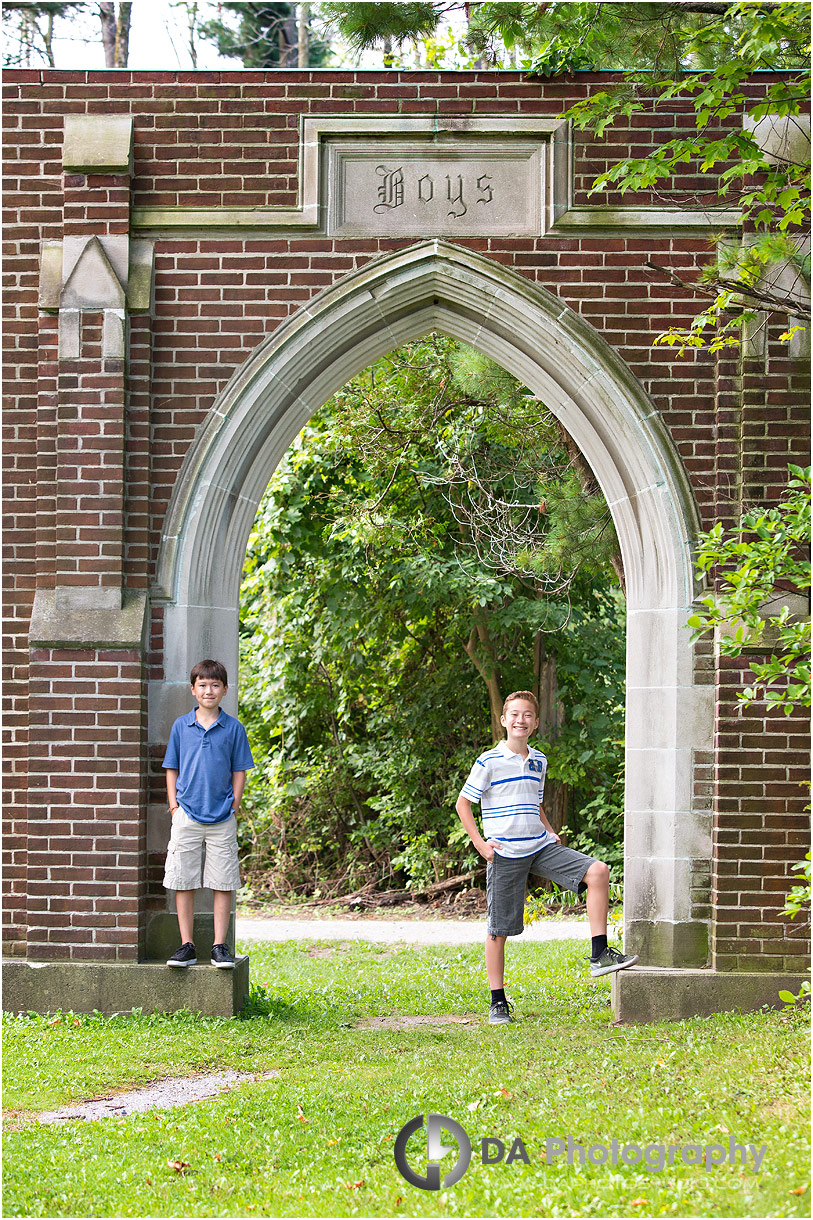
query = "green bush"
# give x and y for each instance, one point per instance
(371, 625)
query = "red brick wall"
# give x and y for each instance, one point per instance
(90, 465)
(761, 829)
(761, 825)
(75, 851)
(86, 827)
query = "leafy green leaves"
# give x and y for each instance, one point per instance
(763, 561)
(375, 608)
(766, 179)
(366, 25)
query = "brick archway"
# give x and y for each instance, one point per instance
(167, 237)
(565, 362)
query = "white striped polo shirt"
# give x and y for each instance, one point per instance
(509, 791)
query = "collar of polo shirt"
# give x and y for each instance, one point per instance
(502, 746)
(193, 719)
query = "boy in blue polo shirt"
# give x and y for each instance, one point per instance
(508, 782)
(206, 763)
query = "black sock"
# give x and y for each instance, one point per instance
(497, 993)
(599, 945)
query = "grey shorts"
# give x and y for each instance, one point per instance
(506, 878)
(202, 854)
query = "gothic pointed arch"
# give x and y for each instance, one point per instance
(581, 379)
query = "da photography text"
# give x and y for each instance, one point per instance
(654, 1158)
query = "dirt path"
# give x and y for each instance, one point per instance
(160, 1095)
(391, 931)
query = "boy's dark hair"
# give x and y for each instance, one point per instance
(527, 695)
(213, 670)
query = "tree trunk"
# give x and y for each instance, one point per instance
(303, 52)
(481, 653)
(388, 55)
(192, 26)
(551, 708)
(122, 48)
(107, 16)
(551, 721)
(288, 42)
(556, 802)
(49, 40)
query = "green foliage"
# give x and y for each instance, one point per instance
(800, 896)
(375, 639)
(547, 38)
(802, 995)
(551, 899)
(265, 35)
(799, 900)
(588, 752)
(712, 61)
(765, 558)
(663, 39)
(366, 25)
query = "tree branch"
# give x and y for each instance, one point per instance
(761, 298)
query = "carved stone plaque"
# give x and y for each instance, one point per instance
(440, 188)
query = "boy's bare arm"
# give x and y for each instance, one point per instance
(172, 795)
(238, 783)
(547, 825)
(466, 816)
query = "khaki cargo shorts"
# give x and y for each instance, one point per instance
(202, 855)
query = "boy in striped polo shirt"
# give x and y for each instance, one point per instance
(508, 783)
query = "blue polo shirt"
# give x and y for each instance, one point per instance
(204, 760)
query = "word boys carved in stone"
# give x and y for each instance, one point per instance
(391, 190)
(462, 187)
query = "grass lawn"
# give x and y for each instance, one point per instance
(318, 1140)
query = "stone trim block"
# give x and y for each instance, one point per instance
(98, 144)
(141, 279)
(137, 279)
(50, 285)
(782, 137)
(70, 334)
(92, 283)
(660, 220)
(54, 625)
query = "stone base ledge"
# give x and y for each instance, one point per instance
(118, 987)
(655, 993)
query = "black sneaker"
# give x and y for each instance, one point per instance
(222, 958)
(500, 1013)
(185, 956)
(610, 961)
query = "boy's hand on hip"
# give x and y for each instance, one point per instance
(488, 849)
